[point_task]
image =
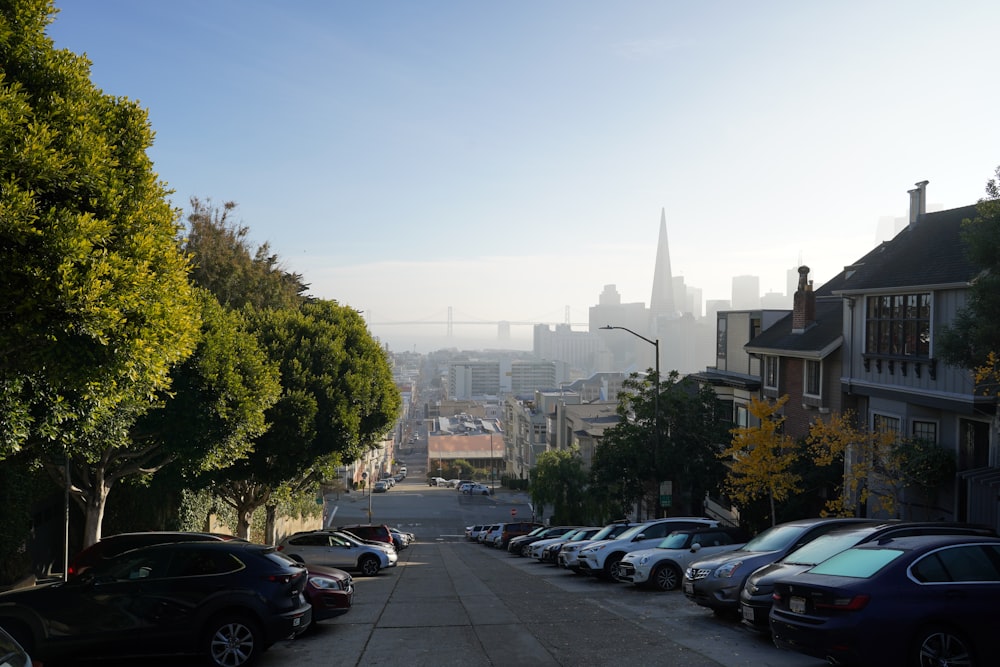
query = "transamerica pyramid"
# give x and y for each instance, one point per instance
(661, 303)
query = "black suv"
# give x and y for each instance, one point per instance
(226, 600)
(112, 545)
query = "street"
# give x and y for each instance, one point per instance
(450, 601)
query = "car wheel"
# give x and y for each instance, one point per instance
(526, 551)
(666, 577)
(233, 640)
(369, 565)
(939, 645)
(611, 569)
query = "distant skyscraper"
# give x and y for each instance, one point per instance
(746, 293)
(661, 303)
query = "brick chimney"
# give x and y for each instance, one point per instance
(803, 303)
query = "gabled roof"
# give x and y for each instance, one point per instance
(818, 340)
(929, 253)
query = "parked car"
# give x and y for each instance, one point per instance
(452, 483)
(535, 549)
(11, 653)
(112, 545)
(601, 558)
(485, 536)
(329, 590)
(378, 532)
(226, 600)
(340, 550)
(381, 486)
(471, 532)
(755, 597)
(918, 600)
(515, 529)
(663, 565)
(401, 539)
(569, 554)
(550, 553)
(519, 545)
(437, 481)
(476, 490)
(716, 581)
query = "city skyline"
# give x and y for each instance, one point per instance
(509, 161)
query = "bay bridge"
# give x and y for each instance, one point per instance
(503, 326)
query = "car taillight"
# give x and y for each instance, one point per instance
(284, 578)
(844, 604)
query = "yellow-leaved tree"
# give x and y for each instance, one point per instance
(873, 463)
(761, 457)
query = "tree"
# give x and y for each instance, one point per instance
(558, 479)
(96, 307)
(972, 341)
(338, 400)
(680, 444)
(871, 461)
(226, 264)
(761, 458)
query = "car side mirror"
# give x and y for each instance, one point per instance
(696, 547)
(640, 536)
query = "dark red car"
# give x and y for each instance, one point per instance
(330, 592)
(369, 531)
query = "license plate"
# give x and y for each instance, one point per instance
(297, 621)
(689, 587)
(797, 605)
(747, 613)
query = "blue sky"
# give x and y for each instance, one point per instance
(510, 159)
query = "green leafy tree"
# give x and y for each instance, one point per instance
(761, 458)
(96, 307)
(972, 341)
(676, 436)
(226, 264)
(338, 400)
(559, 480)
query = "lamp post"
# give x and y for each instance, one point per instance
(491, 463)
(656, 395)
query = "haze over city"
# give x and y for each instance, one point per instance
(509, 161)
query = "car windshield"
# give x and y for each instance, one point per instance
(676, 540)
(632, 532)
(822, 548)
(858, 563)
(587, 534)
(775, 538)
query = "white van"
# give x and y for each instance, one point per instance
(402, 471)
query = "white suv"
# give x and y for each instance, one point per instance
(663, 566)
(601, 558)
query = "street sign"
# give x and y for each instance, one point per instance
(513, 511)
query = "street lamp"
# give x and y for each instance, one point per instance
(656, 395)
(491, 463)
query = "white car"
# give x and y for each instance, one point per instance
(535, 549)
(437, 481)
(569, 555)
(479, 490)
(600, 559)
(663, 566)
(341, 550)
(550, 553)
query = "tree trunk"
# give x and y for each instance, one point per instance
(270, 512)
(94, 505)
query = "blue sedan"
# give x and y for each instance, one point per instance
(923, 601)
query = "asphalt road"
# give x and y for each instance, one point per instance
(450, 601)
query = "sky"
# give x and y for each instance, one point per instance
(508, 160)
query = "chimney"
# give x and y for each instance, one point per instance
(803, 303)
(918, 202)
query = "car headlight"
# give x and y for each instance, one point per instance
(643, 560)
(727, 570)
(326, 584)
(589, 550)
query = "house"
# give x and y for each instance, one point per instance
(896, 300)
(800, 356)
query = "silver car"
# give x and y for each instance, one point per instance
(340, 550)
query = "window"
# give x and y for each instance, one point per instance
(884, 424)
(813, 378)
(898, 325)
(771, 372)
(925, 431)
